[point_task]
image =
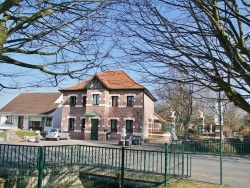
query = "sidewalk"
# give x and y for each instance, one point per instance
(159, 146)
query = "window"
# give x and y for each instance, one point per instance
(95, 84)
(72, 100)
(83, 125)
(71, 123)
(129, 126)
(49, 121)
(35, 125)
(9, 119)
(84, 100)
(115, 101)
(96, 99)
(130, 101)
(113, 125)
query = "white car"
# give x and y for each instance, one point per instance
(57, 134)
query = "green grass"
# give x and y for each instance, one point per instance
(192, 184)
(20, 133)
(2, 134)
(23, 133)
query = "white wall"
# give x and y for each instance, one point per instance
(148, 113)
(56, 118)
(26, 123)
(56, 121)
(3, 120)
(34, 118)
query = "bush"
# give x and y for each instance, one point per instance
(192, 131)
(43, 134)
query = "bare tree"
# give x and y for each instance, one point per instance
(46, 40)
(178, 98)
(233, 117)
(208, 41)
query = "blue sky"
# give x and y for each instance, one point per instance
(9, 95)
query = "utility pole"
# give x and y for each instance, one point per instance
(221, 131)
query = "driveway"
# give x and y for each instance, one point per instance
(205, 168)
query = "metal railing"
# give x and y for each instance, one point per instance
(91, 166)
(241, 148)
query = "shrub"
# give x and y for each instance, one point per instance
(192, 131)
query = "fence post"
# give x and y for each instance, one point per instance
(242, 149)
(72, 152)
(166, 164)
(190, 164)
(182, 152)
(40, 166)
(122, 170)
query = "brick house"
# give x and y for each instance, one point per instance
(106, 103)
(36, 111)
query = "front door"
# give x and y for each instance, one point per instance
(94, 129)
(20, 122)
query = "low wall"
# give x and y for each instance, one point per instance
(164, 136)
(55, 177)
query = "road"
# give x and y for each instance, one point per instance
(235, 170)
(205, 168)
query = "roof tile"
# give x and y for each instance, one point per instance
(111, 79)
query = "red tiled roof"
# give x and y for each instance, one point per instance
(32, 103)
(111, 79)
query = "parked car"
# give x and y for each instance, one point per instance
(57, 134)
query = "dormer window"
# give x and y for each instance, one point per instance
(95, 84)
(72, 100)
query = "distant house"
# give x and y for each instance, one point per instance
(157, 123)
(106, 103)
(36, 111)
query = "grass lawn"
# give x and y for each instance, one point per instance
(23, 133)
(2, 134)
(20, 133)
(192, 184)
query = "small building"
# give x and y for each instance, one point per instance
(98, 108)
(36, 111)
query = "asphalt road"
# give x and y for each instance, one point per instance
(235, 171)
(205, 168)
